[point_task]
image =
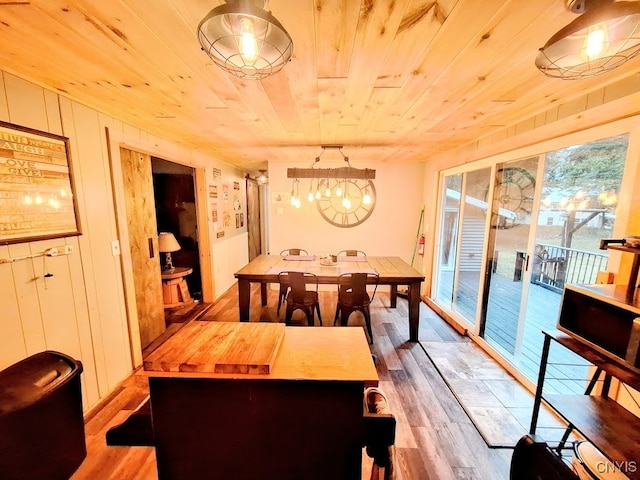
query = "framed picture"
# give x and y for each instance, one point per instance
(37, 194)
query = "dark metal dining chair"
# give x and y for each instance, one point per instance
(298, 297)
(285, 288)
(293, 251)
(533, 459)
(354, 296)
(351, 253)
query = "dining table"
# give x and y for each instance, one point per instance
(392, 271)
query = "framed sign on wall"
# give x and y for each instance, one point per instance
(37, 197)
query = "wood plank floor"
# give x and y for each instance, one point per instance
(567, 371)
(435, 438)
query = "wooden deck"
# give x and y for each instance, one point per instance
(566, 372)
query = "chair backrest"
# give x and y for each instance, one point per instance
(351, 253)
(298, 281)
(294, 251)
(356, 285)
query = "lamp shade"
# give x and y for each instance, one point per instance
(601, 39)
(167, 242)
(245, 40)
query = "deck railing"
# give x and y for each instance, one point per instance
(554, 266)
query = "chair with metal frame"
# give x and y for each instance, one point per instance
(351, 253)
(354, 296)
(533, 459)
(285, 288)
(298, 297)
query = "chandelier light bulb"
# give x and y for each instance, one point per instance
(339, 191)
(28, 200)
(318, 194)
(38, 199)
(310, 196)
(327, 191)
(293, 199)
(248, 46)
(366, 199)
(595, 42)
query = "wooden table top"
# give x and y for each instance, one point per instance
(390, 269)
(303, 353)
(177, 272)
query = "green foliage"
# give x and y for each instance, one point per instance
(593, 167)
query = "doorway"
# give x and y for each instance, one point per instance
(175, 204)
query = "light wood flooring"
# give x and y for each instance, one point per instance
(435, 438)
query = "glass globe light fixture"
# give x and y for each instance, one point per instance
(245, 40)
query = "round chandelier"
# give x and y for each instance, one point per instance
(245, 39)
(603, 37)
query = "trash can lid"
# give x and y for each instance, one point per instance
(23, 383)
(591, 463)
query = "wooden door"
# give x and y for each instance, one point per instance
(253, 218)
(143, 240)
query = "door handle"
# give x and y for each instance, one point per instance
(151, 250)
(526, 262)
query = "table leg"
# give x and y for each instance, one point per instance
(244, 296)
(394, 295)
(414, 310)
(263, 293)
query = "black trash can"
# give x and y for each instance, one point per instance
(41, 421)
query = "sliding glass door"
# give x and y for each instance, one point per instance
(508, 255)
(513, 234)
(462, 237)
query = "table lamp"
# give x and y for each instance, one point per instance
(167, 243)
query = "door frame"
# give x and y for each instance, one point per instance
(116, 140)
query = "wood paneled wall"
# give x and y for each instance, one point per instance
(81, 309)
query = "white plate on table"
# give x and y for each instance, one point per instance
(327, 263)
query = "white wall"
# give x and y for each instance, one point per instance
(229, 241)
(390, 230)
(228, 257)
(80, 310)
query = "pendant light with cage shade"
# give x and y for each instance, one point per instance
(244, 39)
(603, 37)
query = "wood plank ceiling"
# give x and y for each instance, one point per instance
(391, 80)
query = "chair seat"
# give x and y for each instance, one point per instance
(347, 299)
(310, 299)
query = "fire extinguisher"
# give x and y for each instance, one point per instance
(421, 245)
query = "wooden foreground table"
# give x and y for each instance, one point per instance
(296, 413)
(393, 271)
